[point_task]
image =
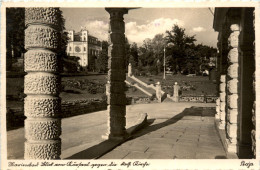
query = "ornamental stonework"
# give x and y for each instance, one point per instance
(118, 122)
(233, 39)
(42, 106)
(117, 26)
(233, 101)
(116, 63)
(41, 15)
(232, 116)
(41, 83)
(43, 129)
(233, 55)
(117, 38)
(232, 86)
(116, 99)
(223, 78)
(235, 27)
(233, 70)
(40, 60)
(116, 87)
(43, 151)
(222, 107)
(232, 131)
(222, 96)
(118, 50)
(116, 111)
(222, 87)
(116, 75)
(41, 37)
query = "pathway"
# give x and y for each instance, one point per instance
(176, 130)
(188, 135)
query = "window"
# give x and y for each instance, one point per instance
(70, 49)
(84, 48)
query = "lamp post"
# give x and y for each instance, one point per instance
(164, 63)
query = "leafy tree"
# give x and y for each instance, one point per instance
(127, 53)
(102, 60)
(158, 44)
(14, 34)
(183, 44)
(71, 64)
(134, 51)
(63, 41)
(146, 53)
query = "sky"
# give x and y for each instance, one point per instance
(145, 23)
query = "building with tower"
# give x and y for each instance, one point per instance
(84, 46)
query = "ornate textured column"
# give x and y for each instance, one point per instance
(116, 97)
(222, 104)
(223, 50)
(232, 86)
(42, 84)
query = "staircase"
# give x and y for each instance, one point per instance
(149, 90)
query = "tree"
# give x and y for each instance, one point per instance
(102, 60)
(127, 53)
(146, 53)
(183, 44)
(158, 44)
(14, 34)
(71, 64)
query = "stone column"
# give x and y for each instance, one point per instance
(159, 92)
(232, 86)
(116, 97)
(130, 70)
(42, 84)
(176, 89)
(222, 97)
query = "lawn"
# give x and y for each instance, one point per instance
(74, 88)
(93, 86)
(197, 85)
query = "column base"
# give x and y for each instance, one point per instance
(116, 138)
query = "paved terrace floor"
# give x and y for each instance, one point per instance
(174, 131)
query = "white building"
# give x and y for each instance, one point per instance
(84, 46)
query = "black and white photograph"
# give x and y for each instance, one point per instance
(129, 87)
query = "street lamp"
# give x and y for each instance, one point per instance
(164, 63)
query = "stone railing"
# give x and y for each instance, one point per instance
(74, 108)
(15, 117)
(141, 100)
(198, 99)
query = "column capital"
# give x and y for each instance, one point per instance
(116, 11)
